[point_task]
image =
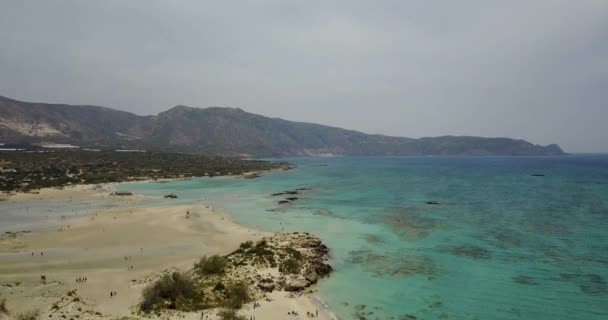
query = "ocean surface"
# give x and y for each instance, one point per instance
(508, 237)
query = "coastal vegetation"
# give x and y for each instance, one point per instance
(28, 315)
(230, 281)
(3, 308)
(211, 265)
(24, 171)
(229, 314)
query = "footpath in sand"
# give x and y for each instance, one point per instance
(121, 251)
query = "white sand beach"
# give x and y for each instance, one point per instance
(122, 250)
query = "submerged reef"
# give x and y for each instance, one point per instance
(468, 251)
(591, 284)
(409, 225)
(393, 264)
(525, 280)
(373, 239)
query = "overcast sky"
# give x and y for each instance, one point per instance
(536, 70)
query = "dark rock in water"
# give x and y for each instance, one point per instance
(253, 175)
(322, 250)
(292, 198)
(468, 251)
(373, 239)
(282, 202)
(591, 284)
(121, 193)
(538, 174)
(525, 280)
(434, 202)
(170, 196)
(322, 269)
(289, 192)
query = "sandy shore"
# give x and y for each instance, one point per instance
(121, 250)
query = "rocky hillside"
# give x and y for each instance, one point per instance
(227, 131)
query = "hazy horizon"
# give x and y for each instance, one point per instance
(526, 70)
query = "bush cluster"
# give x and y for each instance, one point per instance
(229, 314)
(172, 291)
(3, 308)
(211, 265)
(237, 294)
(290, 266)
(28, 315)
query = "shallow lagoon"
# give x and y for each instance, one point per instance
(501, 243)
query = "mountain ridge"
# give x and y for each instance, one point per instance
(226, 131)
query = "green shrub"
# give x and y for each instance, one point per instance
(211, 265)
(259, 251)
(236, 295)
(3, 309)
(290, 266)
(246, 245)
(28, 315)
(172, 291)
(261, 244)
(219, 286)
(294, 253)
(229, 314)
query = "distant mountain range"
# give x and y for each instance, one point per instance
(226, 131)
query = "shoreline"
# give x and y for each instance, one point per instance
(156, 238)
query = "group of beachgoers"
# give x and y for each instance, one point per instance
(81, 279)
(308, 314)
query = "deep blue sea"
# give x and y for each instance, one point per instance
(501, 243)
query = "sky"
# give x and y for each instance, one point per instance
(535, 70)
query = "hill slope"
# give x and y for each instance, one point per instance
(226, 131)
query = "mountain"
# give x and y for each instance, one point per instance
(227, 131)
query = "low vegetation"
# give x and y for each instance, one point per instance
(228, 282)
(3, 308)
(290, 266)
(28, 315)
(175, 291)
(23, 171)
(229, 314)
(237, 294)
(211, 265)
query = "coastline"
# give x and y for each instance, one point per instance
(103, 246)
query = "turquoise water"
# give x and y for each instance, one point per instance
(503, 244)
(37, 214)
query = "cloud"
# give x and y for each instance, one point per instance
(525, 69)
